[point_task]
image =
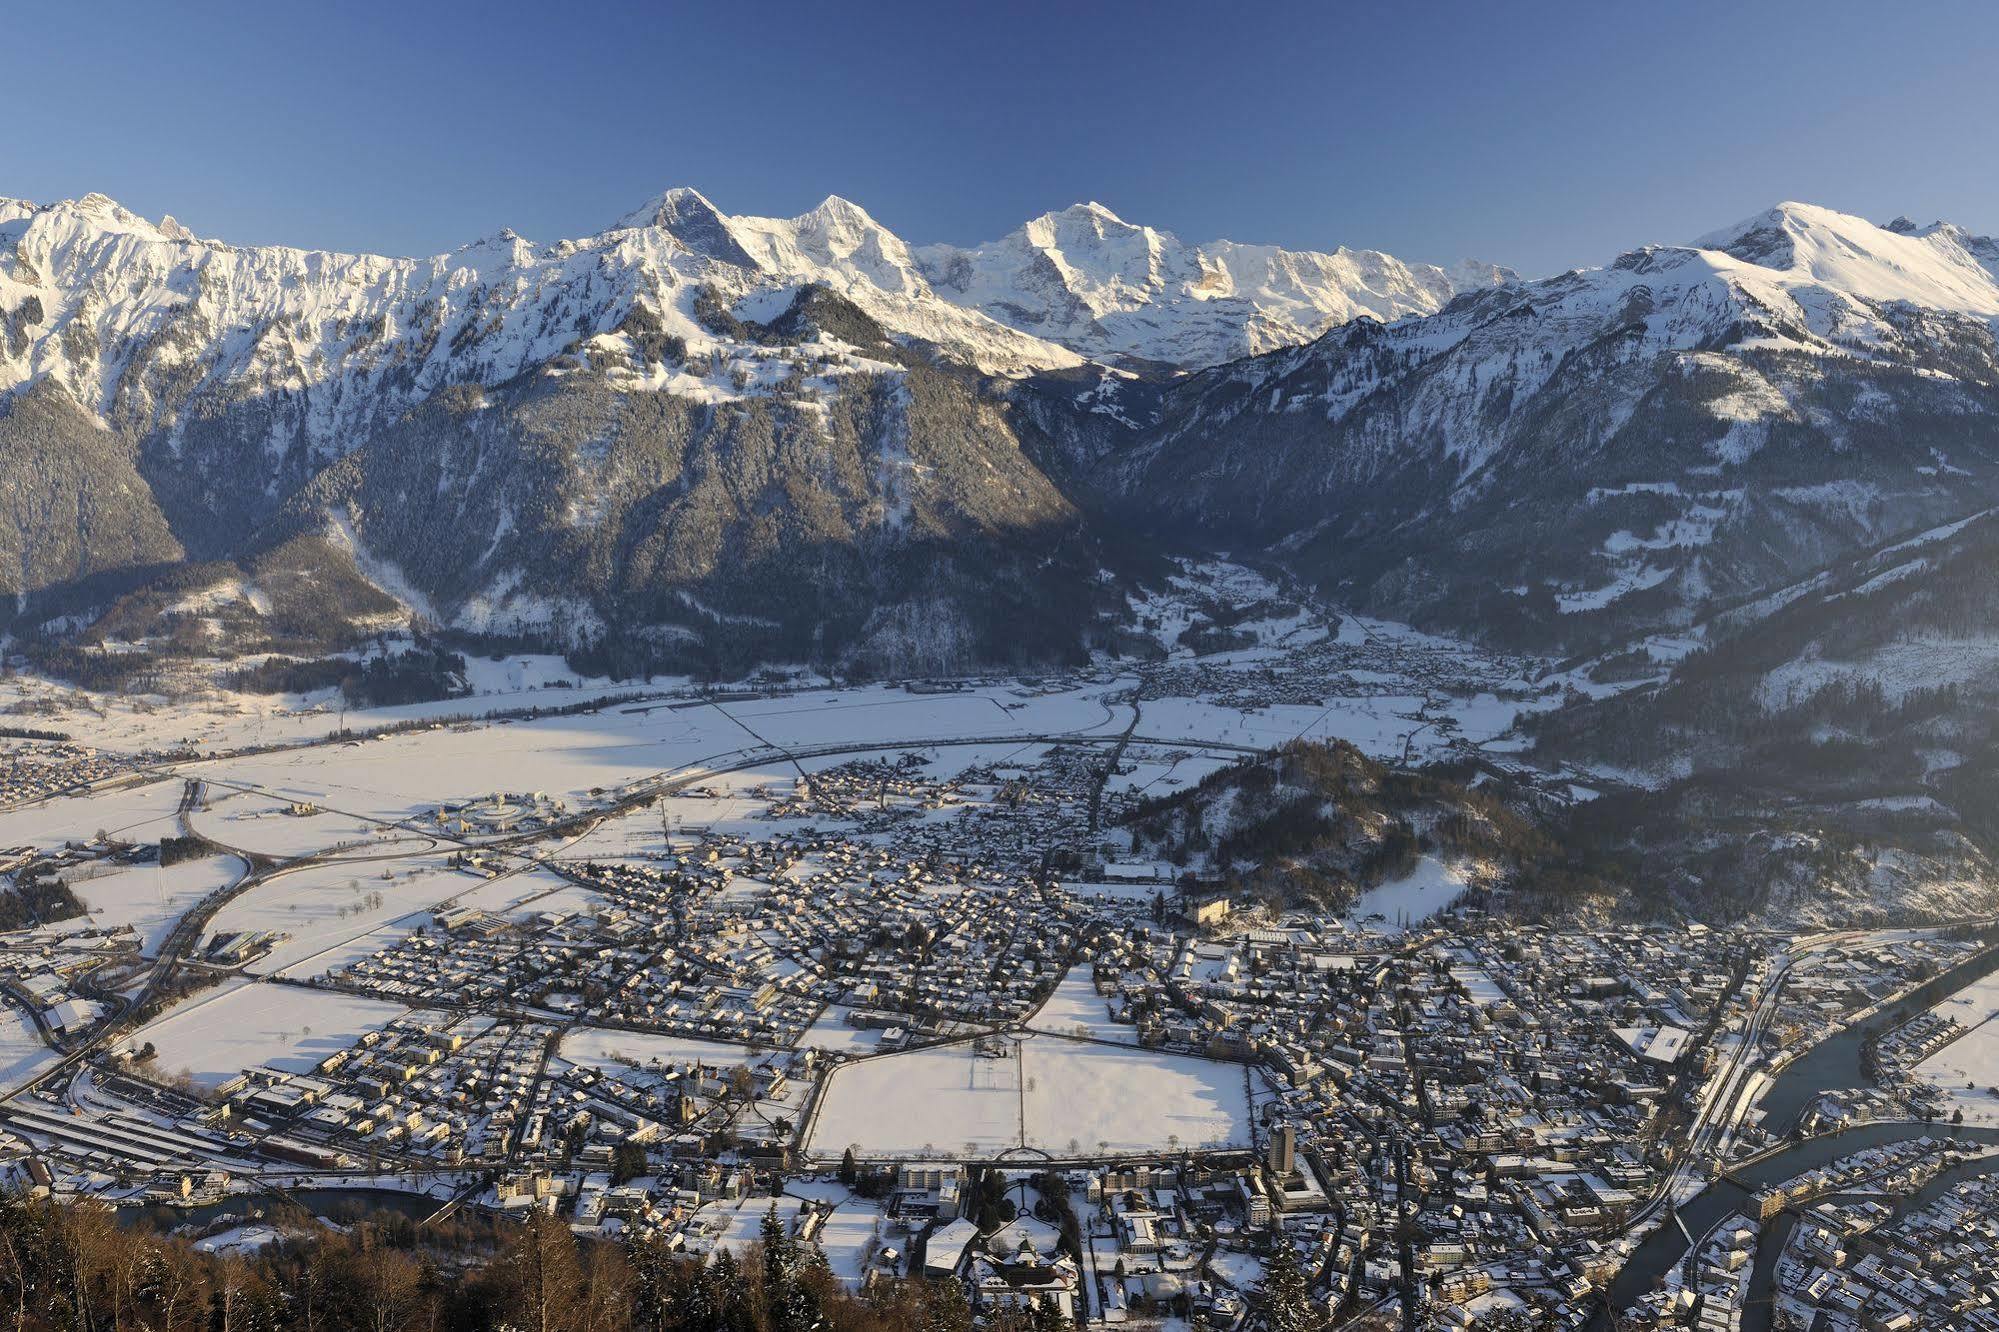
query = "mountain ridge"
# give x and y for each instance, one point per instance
(1696, 417)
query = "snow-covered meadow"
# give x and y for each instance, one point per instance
(215, 1036)
(1967, 1070)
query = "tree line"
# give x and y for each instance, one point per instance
(74, 1267)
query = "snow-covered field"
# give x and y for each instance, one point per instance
(220, 719)
(1385, 726)
(23, 1057)
(848, 1238)
(609, 1048)
(1076, 1009)
(135, 813)
(1063, 1097)
(325, 906)
(1972, 1058)
(217, 1035)
(580, 758)
(253, 822)
(150, 898)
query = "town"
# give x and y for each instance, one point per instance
(888, 968)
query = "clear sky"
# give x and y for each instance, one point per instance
(1539, 135)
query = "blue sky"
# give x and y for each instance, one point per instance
(1539, 135)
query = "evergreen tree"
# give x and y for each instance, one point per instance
(722, 1296)
(1287, 1299)
(1049, 1318)
(799, 1308)
(949, 1310)
(776, 1255)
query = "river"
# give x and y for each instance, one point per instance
(1831, 1064)
(334, 1204)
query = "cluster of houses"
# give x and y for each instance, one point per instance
(32, 769)
(1863, 1267)
(427, 1086)
(753, 942)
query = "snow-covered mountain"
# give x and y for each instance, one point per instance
(691, 417)
(648, 423)
(1085, 278)
(125, 314)
(1611, 446)
(1081, 279)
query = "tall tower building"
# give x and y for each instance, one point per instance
(1283, 1150)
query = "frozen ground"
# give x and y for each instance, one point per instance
(224, 719)
(217, 1035)
(606, 1047)
(252, 822)
(1158, 770)
(736, 1225)
(1046, 1094)
(583, 759)
(135, 813)
(849, 1238)
(1972, 1058)
(325, 906)
(833, 1033)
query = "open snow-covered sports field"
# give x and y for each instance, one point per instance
(1040, 1095)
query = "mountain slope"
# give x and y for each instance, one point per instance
(1697, 423)
(551, 439)
(1828, 751)
(633, 443)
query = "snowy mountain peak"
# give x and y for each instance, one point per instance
(664, 210)
(1476, 275)
(101, 213)
(1078, 218)
(1939, 267)
(688, 217)
(1118, 291)
(834, 211)
(1077, 280)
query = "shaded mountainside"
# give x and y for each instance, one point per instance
(1322, 823)
(73, 503)
(1690, 425)
(1831, 751)
(892, 522)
